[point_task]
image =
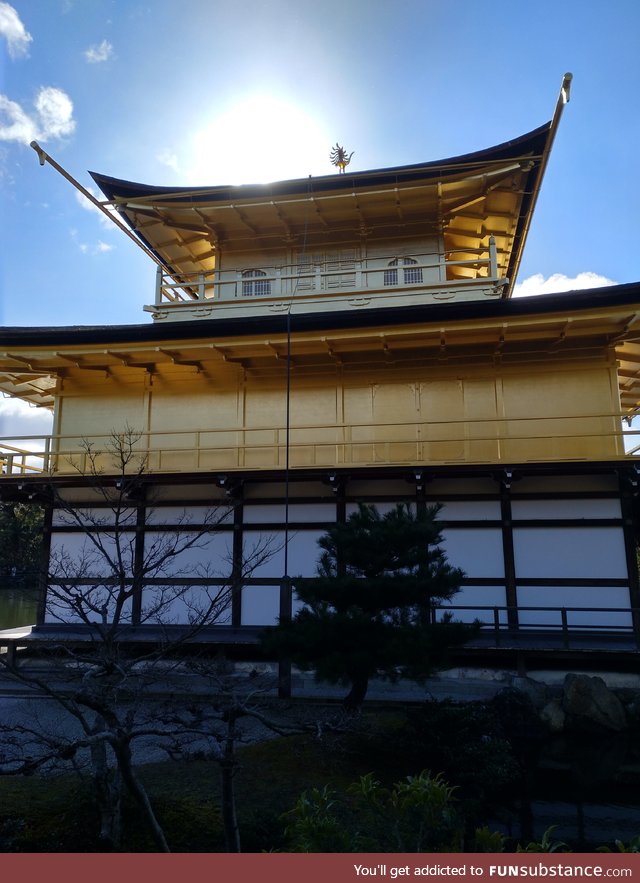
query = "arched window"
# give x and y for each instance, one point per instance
(411, 273)
(254, 284)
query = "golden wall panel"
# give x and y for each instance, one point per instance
(421, 413)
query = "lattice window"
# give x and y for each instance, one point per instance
(411, 273)
(304, 272)
(343, 259)
(254, 284)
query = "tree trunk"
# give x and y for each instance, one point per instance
(107, 786)
(227, 773)
(125, 765)
(356, 695)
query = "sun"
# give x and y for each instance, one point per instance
(261, 138)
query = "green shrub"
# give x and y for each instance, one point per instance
(414, 815)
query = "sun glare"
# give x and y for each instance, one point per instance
(260, 139)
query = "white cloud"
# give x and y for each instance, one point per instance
(89, 206)
(52, 117)
(94, 248)
(558, 282)
(168, 158)
(97, 54)
(15, 124)
(18, 418)
(55, 112)
(14, 32)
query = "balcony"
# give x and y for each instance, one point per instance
(340, 282)
(436, 443)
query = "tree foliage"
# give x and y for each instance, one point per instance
(369, 611)
(20, 541)
(418, 814)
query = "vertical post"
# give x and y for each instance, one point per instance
(629, 500)
(508, 551)
(138, 560)
(200, 286)
(43, 575)
(158, 298)
(358, 276)
(284, 665)
(238, 557)
(496, 625)
(565, 628)
(47, 454)
(493, 258)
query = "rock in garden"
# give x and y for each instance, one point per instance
(589, 703)
(553, 716)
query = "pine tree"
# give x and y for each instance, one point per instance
(20, 542)
(369, 611)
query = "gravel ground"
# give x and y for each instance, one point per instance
(22, 711)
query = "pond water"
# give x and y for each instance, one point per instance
(18, 606)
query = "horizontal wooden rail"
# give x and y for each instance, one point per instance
(328, 277)
(498, 622)
(486, 440)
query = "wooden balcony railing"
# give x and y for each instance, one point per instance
(495, 441)
(550, 627)
(330, 277)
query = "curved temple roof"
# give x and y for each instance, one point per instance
(465, 198)
(583, 322)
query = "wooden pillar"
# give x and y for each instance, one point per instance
(284, 665)
(138, 559)
(238, 554)
(43, 570)
(511, 593)
(629, 501)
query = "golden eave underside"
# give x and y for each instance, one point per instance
(467, 209)
(32, 373)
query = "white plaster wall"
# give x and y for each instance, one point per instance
(554, 484)
(463, 486)
(298, 512)
(547, 597)
(477, 552)
(477, 597)
(382, 507)
(210, 556)
(85, 560)
(96, 597)
(215, 514)
(303, 552)
(377, 488)
(260, 605)
(471, 510)
(543, 509)
(569, 552)
(184, 605)
(94, 515)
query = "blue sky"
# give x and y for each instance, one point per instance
(210, 92)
